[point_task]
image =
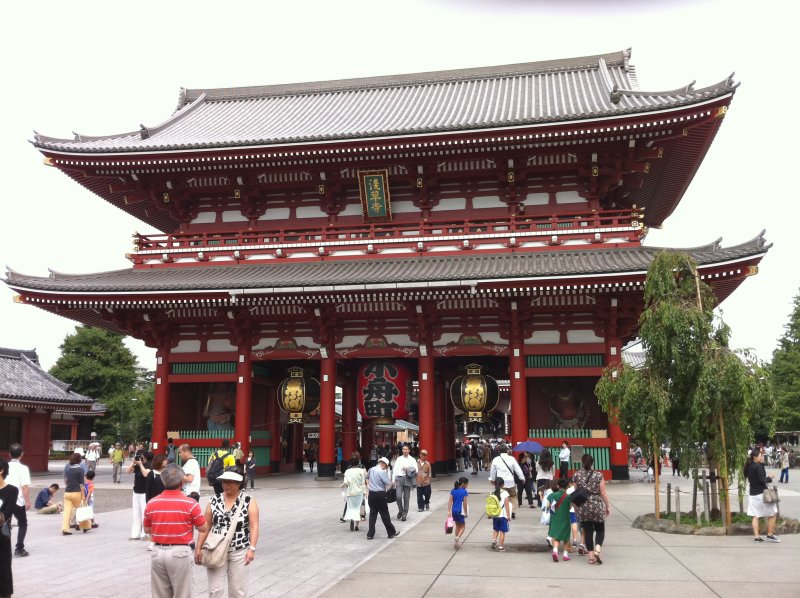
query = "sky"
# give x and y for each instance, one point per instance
(99, 68)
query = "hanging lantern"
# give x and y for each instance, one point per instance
(383, 390)
(297, 395)
(474, 393)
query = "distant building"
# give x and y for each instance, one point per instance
(34, 405)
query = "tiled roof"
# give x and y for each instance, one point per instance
(458, 100)
(288, 276)
(23, 381)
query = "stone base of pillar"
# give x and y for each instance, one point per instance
(620, 472)
(326, 471)
(451, 466)
(439, 468)
(274, 467)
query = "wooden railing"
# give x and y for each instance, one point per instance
(371, 237)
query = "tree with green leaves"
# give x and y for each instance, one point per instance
(96, 363)
(785, 373)
(692, 387)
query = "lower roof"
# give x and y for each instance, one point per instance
(24, 382)
(377, 272)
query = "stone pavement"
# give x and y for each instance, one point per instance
(305, 551)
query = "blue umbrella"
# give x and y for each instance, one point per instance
(529, 446)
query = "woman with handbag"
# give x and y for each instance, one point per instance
(232, 514)
(756, 505)
(8, 500)
(355, 489)
(593, 510)
(73, 491)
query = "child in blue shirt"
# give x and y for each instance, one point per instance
(459, 508)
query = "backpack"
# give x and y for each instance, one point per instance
(171, 453)
(215, 468)
(493, 508)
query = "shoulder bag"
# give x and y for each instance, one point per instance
(517, 479)
(770, 496)
(215, 548)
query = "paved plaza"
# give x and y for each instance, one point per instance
(305, 551)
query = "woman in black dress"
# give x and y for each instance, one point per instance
(8, 498)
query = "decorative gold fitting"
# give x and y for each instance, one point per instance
(237, 194)
(721, 111)
(19, 299)
(646, 167)
(165, 197)
(419, 182)
(686, 132)
(595, 171)
(661, 152)
(321, 189)
(510, 176)
(48, 161)
(751, 271)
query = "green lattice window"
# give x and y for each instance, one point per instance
(586, 360)
(204, 367)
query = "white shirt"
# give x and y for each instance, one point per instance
(504, 465)
(402, 463)
(192, 467)
(18, 475)
(92, 455)
(564, 454)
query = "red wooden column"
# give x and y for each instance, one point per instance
(618, 451)
(519, 390)
(427, 410)
(326, 467)
(244, 397)
(349, 420)
(161, 401)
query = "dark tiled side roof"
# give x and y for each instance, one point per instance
(379, 271)
(546, 92)
(21, 379)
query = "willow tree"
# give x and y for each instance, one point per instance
(692, 387)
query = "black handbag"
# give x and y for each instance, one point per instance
(391, 495)
(580, 495)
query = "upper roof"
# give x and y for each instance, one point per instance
(513, 95)
(288, 276)
(22, 380)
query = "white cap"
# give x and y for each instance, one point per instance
(384, 460)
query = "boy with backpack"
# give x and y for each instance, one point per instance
(499, 509)
(219, 461)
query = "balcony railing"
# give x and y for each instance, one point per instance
(593, 227)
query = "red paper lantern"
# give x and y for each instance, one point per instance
(298, 395)
(384, 388)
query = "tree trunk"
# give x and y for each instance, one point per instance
(726, 508)
(656, 458)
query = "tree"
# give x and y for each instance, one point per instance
(96, 363)
(785, 373)
(692, 387)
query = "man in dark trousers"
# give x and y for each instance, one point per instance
(378, 482)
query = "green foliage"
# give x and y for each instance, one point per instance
(693, 388)
(785, 373)
(96, 363)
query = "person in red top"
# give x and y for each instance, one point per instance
(169, 518)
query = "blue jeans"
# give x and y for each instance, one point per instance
(785, 474)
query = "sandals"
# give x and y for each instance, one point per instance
(597, 558)
(582, 549)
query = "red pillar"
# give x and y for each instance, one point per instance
(519, 392)
(349, 420)
(244, 398)
(327, 417)
(618, 451)
(427, 412)
(161, 401)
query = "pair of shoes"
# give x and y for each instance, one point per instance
(513, 515)
(555, 556)
(501, 548)
(63, 533)
(494, 544)
(403, 518)
(394, 535)
(771, 538)
(592, 560)
(758, 539)
(582, 549)
(597, 558)
(21, 552)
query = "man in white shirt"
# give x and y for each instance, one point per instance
(20, 476)
(505, 466)
(191, 470)
(92, 457)
(405, 478)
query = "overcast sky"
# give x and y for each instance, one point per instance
(102, 67)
